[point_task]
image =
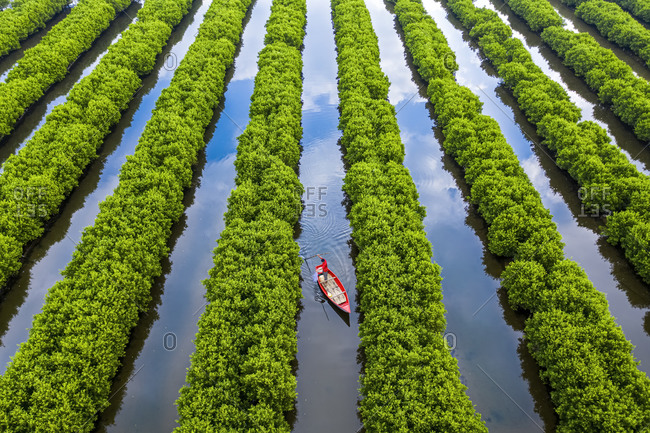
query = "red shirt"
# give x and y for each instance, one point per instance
(322, 268)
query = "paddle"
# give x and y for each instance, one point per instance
(311, 257)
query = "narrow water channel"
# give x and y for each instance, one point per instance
(35, 116)
(158, 354)
(8, 61)
(628, 296)
(328, 368)
(630, 303)
(580, 94)
(483, 331)
(577, 25)
(53, 251)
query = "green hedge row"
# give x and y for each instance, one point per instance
(539, 14)
(40, 176)
(240, 378)
(583, 354)
(638, 8)
(48, 62)
(24, 18)
(610, 183)
(411, 382)
(617, 26)
(61, 376)
(611, 78)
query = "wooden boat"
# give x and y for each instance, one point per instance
(334, 290)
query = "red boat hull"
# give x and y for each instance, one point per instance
(344, 305)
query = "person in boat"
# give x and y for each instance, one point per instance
(322, 269)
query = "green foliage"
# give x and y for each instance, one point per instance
(612, 182)
(602, 389)
(632, 232)
(435, 58)
(40, 176)
(61, 376)
(48, 62)
(24, 18)
(411, 381)
(253, 289)
(638, 8)
(617, 26)
(539, 14)
(11, 251)
(611, 78)
(584, 357)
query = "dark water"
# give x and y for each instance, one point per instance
(580, 94)
(328, 369)
(159, 352)
(51, 254)
(34, 118)
(7, 62)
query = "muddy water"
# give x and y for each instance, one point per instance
(48, 256)
(580, 94)
(8, 61)
(58, 93)
(159, 352)
(629, 298)
(328, 368)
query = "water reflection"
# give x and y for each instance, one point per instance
(34, 117)
(579, 93)
(577, 25)
(487, 346)
(52, 253)
(606, 266)
(328, 366)
(163, 352)
(559, 194)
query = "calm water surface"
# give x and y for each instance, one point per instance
(8, 61)
(579, 93)
(577, 25)
(159, 352)
(52, 253)
(328, 368)
(487, 347)
(502, 378)
(35, 116)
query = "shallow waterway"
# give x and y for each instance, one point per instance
(50, 254)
